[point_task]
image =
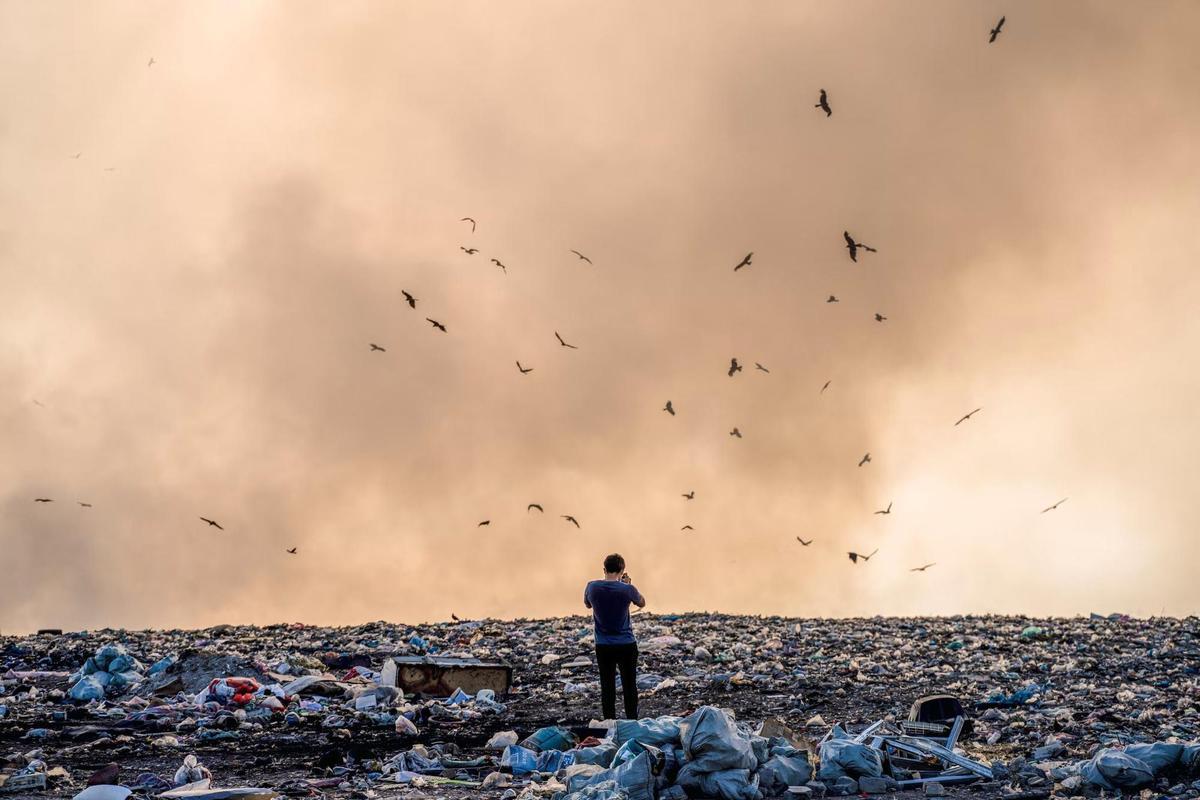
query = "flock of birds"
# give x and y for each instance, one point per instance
(854, 248)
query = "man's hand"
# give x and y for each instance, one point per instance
(625, 578)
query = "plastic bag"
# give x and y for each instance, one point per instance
(602, 754)
(726, 784)
(1116, 769)
(88, 688)
(519, 760)
(635, 778)
(664, 730)
(780, 772)
(550, 738)
(712, 742)
(843, 756)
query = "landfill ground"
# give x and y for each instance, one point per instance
(1079, 682)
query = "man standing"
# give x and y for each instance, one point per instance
(616, 646)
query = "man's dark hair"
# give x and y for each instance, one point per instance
(614, 563)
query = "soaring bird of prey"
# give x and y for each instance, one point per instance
(922, 569)
(1056, 505)
(865, 459)
(734, 367)
(745, 262)
(524, 370)
(582, 256)
(759, 366)
(436, 324)
(887, 510)
(496, 261)
(42, 500)
(736, 432)
(880, 317)
(532, 506)
(571, 520)
(690, 495)
(212, 523)
(151, 62)
(833, 299)
(469, 250)
(292, 550)
(854, 246)
(564, 344)
(83, 504)
(485, 522)
(966, 417)
(823, 104)
(826, 386)
(996, 31)
(468, 219)
(408, 298)
(801, 541)
(687, 528)
(670, 409)
(856, 556)
(375, 347)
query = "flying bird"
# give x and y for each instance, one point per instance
(854, 246)
(1056, 505)
(375, 347)
(865, 459)
(77, 155)
(826, 386)
(532, 506)
(582, 256)
(83, 504)
(212, 523)
(42, 500)
(456, 619)
(408, 298)
(469, 250)
(564, 344)
(734, 367)
(855, 556)
(801, 541)
(151, 62)
(996, 31)
(966, 417)
(761, 367)
(292, 550)
(823, 104)
(887, 510)
(922, 569)
(687, 528)
(496, 261)
(468, 219)
(571, 520)
(690, 495)
(485, 522)
(524, 370)
(880, 317)
(745, 262)
(436, 324)
(833, 299)
(736, 432)
(670, 409)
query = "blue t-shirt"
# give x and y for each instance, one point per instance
(609, 602)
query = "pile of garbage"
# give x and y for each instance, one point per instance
(342, 709)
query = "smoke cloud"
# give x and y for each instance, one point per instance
(186, 308)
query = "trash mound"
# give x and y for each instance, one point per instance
(1069, 706)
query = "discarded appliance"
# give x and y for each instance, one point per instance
(921, 749)
(439, 677)
(934, 714)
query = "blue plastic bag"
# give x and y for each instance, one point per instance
(519, 760)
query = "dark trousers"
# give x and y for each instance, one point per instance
(610, 657)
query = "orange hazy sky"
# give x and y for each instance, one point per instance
(186, 307)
